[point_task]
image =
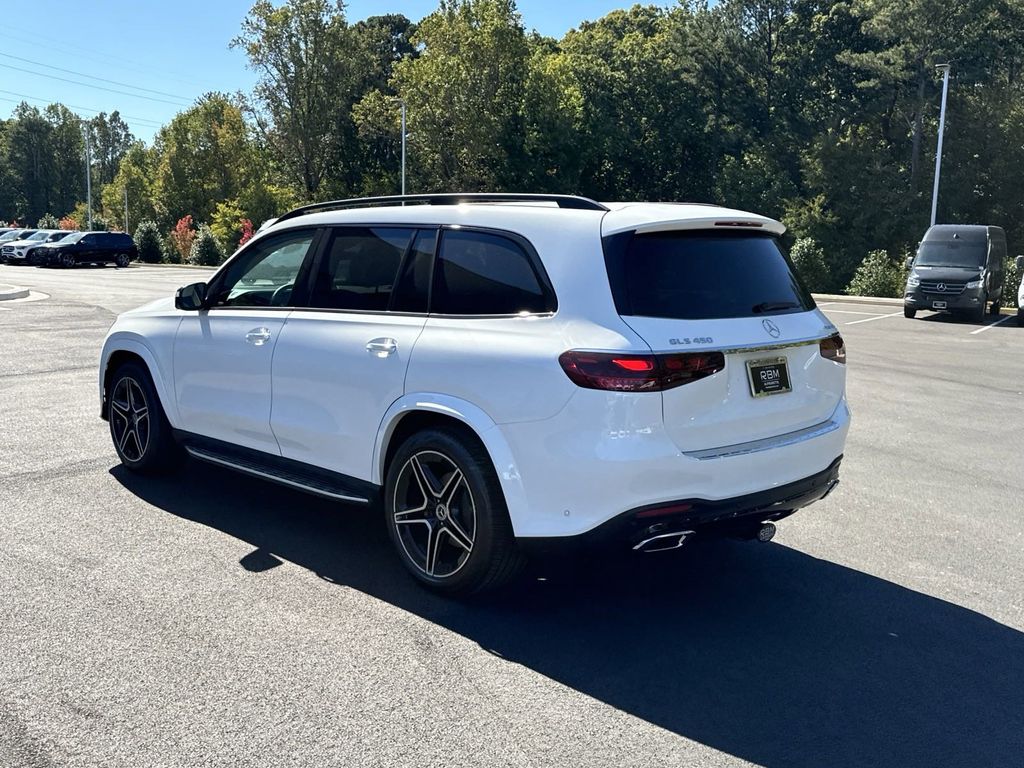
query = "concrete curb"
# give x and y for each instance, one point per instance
(857, 299)
(10, 292)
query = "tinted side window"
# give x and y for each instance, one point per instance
(359, 268)
(480, 273)
(265, 273)
(412, 288)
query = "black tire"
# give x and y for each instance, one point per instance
(122, 260)
(141, 434)
(1020, 316)
(67, 260)
(978, 314)
(454, 511)
(909, 312)
(994, 308)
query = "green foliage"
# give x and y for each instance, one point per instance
(226, 224)
(206, 251)
(1012, 282)
(147, 240)
(878, 275)
(809, 260)
(169, 251)
(48, 221)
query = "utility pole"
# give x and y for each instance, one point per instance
(88, 173)
(944, 69)
(126, 207)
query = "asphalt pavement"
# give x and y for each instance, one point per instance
(213, 619)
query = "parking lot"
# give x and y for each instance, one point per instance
(213, 619)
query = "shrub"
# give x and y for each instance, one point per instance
(247, 232)
(49, 221)
(878, 275)
(206, 251)
(169, 251)
(68, 222)
(809, 260)
(182, 236)
(1011, 282)
(100, 224)
(147, 240)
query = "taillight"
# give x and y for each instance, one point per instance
(638, 373)
(833, 348)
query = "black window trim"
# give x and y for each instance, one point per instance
(533, 258)
(303, 279)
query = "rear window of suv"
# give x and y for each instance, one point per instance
(703, 276)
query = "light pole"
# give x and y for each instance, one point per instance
(88, 173)
(401, 101)
(944, 69)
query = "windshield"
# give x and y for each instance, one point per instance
(18, 234)
(952, 254)
(57, 237)
(74, 237)
(38, 236)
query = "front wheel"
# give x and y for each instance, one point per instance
(909, 312)
(122, 260)
(140, 430)
(994, 308)
(446, 514)
(67, 261)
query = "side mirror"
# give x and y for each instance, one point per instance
(191, 298)
(1020, 262)
(910, 262)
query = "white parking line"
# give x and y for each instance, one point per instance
(1000, 321)
(854, 312)
(876, 317)
(827, 303)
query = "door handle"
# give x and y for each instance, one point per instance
(258, 336)
(382, 347)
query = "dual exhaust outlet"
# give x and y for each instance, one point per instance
(662, 542)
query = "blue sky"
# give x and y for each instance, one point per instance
(176, 52)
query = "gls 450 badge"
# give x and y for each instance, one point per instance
(694, 340)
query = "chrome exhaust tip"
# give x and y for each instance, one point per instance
(766, 532)
(663, 542)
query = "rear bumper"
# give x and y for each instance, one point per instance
(576, 473)
(739, 516)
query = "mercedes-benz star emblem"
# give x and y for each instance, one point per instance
(772, 328)
(941, 287)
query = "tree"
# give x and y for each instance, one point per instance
(204, 157)
(305, 82)
(182, 237)
(111, 139)
(206, 251)
(48, 221)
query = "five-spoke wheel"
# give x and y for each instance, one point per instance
(129, 419)
(140, 431)
(446, 513)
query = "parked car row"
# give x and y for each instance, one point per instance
(65, 248)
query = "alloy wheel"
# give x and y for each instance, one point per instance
(434, 514)
(129, 419)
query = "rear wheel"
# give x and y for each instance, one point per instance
(67, 260)
(909, 312)
(140, 430)
(122, 260)
(446, 514)
(1020, 316)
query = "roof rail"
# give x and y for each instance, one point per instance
(448, 198)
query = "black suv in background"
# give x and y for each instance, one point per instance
(89, 248)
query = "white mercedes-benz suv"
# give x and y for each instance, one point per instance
(499, 373)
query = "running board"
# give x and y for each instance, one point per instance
(291, 478)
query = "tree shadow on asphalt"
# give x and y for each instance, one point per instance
(759, 651)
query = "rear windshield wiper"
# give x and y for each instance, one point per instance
(771, 306)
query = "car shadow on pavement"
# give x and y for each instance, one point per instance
(760, 651)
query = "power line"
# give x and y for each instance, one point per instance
(89, 77)
(91, 54)
(96, 87)
(26, 97)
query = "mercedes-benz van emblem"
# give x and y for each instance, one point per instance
(772, 328)
(941, 287)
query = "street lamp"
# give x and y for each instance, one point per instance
(944, 69)
(401, 101)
